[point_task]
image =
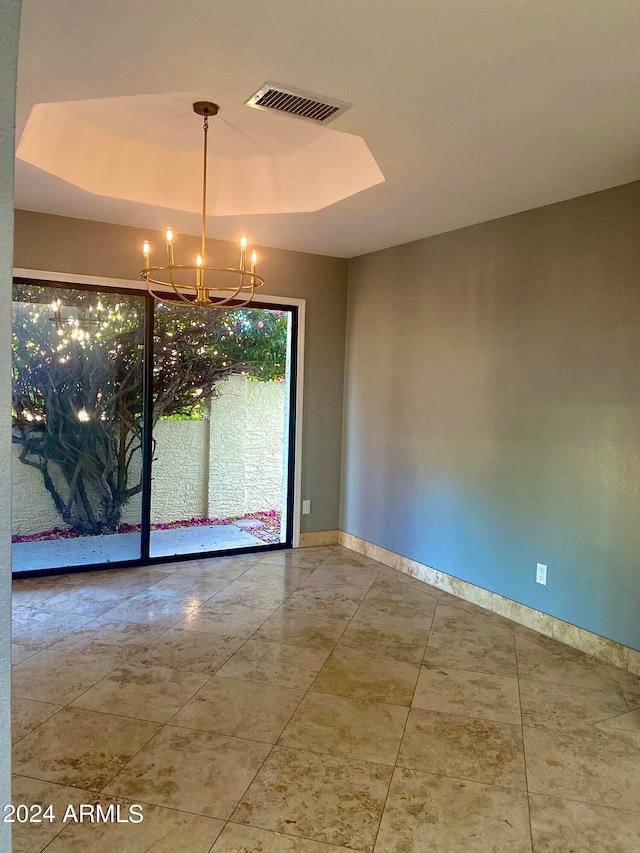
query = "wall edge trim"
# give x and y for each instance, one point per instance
(599, 647)
(319, 537)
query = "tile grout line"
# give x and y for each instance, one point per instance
(396, 766)
(524, 751)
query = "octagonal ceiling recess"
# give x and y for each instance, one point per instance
(148, 148)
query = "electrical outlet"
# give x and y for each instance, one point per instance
(541, 574)
(306, 507)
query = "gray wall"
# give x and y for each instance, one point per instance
(61, 244)
(8, 63)
(492, 416)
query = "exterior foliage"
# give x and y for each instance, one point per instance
(78, 385)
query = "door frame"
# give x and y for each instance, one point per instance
(258, 301)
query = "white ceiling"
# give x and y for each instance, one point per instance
(472, 109)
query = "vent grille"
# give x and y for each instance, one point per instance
(297, 103)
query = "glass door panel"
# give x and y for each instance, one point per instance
(77, 426)
(221, 429)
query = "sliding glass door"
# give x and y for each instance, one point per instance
(77, 426)
(220, 428)
(144, 431)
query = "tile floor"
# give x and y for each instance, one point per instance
(311, 702)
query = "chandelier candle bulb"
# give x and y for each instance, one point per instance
(243, 253)
(145, 252)
(254, 258)
(169, 236)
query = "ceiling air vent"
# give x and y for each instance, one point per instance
(297, 103)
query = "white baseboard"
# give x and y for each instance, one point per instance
(592, 644)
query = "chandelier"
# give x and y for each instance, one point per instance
(200, 284)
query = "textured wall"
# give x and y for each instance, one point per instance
(179, 486)
(226, 461)
(226, 465)
(493, 407)
(264, 404)
(8, 62)
(32, 508)
(61, 244)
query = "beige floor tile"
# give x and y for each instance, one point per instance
(349, 559)
(37, 629)
(80, 748)
(440, 815)
(189, 770)
(385, 641)
(394, 589)
(567, 708)
(155, 608)
(200, 588)
(227, 568)
(496, 655)
(543, 659)
(55, 582)
(475, 750)
(20, 653)
(367, 731)
(472, 694)
(248, 839)
(255, 593)
(339, 603)
(533, 648)
(108, 637)
(26, 715)
(58, 677)
(475, 623)
(133, 579)
(320, 797)
(194, 651)
(629, 722)
(86, 601)
(367, 678)
(26, 593)
(289, 576)
(34, 837)
(401, 614)
(238, 708)
(299, 558)
(563, 826)
(145, 692)
(235, 620)
(337, 576)
(275, 663)
(615, 675)
(302, 629)
(160, 831)
(633, 700)
(603, 770)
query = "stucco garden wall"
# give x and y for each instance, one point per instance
(228, 464)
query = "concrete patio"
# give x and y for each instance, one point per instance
(117, 547)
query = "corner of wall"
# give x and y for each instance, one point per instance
(8, 69)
